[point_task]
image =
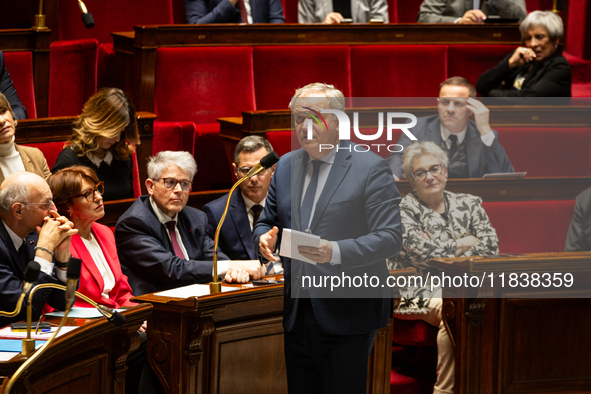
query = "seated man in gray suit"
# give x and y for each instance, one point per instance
(473, 148)
(469, 12)
(246, 204)
(578, 238)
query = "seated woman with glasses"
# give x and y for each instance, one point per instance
(436, 223)
(102, 140)
(15, 157)
(77, 194)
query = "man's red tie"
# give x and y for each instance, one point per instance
(242, 8)
(175, 243)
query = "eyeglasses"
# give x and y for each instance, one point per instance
(89, 194)
(421, 175)
(458, 103)
(245, 170)
(44, 205)
(170, 183)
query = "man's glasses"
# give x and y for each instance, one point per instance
(244, 170)
(170, 183)
(44, 205)
(421, 175)
(89, 194)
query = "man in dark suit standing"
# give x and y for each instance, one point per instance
(246, 205)
(233, 11)
(473, 148)
(162, 243)
(578, 238)
(7, 88)
(350, 201)
(25, 205)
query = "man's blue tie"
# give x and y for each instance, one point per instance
(308, 203)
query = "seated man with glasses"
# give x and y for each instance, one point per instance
(26, 206)
(472, 147)
(246, 204)
(162, 243)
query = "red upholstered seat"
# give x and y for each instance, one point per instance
(173, 136)
(414, 333)
(106, 70)
(281, 141)
(578, 30)
(470, 61)
(51, 150)
(72, 76)
(397, 70)
(20, 68)
(290, 10)
(279, 70)
(407, 10)
(530, 226)
(537, 150)
(110, 16)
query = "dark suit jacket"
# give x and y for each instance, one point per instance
(222, 11)
(482, 159)
(7, 88)
(12, 269)
(146, 253)
(358, 208)
(549, 78)
(235, 235)
(578, 237)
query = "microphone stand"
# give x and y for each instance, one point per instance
(29, 343)
(216, 285)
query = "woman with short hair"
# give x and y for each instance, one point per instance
(535, 69)
(103, 140)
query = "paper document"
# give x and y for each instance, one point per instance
(81, 313)
(191, 291)
(6, 332)
(291, 239)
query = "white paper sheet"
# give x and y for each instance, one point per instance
(6, 332)
(81, 313)
(291, 239)
(191, 291)
(7, 356)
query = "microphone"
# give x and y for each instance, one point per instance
(73, 275)
(266, 162)
(113, 316)
(30, 276)
(86, 16)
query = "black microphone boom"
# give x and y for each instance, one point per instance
(87, 18)
(73, 275)
(30, 276)
(112, 315)
(266, 162)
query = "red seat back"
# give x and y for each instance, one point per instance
(470, 61)
(51, 150)
(393, 71)
(407, 10)
(280, 70)
(20, 67)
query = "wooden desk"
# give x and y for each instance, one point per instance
(37, 42)
(232, 342)
(41, 130)
(90, 359)
(520, 341)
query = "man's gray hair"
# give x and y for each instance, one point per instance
(336, 99)
(12, 193)
(547, 19)
(250, 144)
(420, 149)
(183, 160)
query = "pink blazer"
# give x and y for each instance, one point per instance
(91, 280)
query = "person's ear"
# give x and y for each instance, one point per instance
(150, 186)
(235, 169)
(17, 210)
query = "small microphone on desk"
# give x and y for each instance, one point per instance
(112, 315)
(73, 275)
(30, 276)
(266, 162)
(87, 18)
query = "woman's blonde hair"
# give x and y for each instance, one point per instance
(106, 114)
(4, 104)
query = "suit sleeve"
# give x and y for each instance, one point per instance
(379, 10)
(307, 12)
(276, 12)
(508, 9)
(66, 158)
(268, 218)
(196, 12)
(143, 253)
(496, 158)
(384, 238)
(575, 238)
(431, 11)
(211, 220)
(7, 88)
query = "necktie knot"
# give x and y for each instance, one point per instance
(171, 225)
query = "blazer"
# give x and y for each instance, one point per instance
(91, 280)
(33, 160)
(578, 238)
(358, 208)
(7, 88)
(482, 159)
(146, 253)
(548, 78)
(447, 11)
(12, 268)
(362, 11)
(222, 11)
(235, 235)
